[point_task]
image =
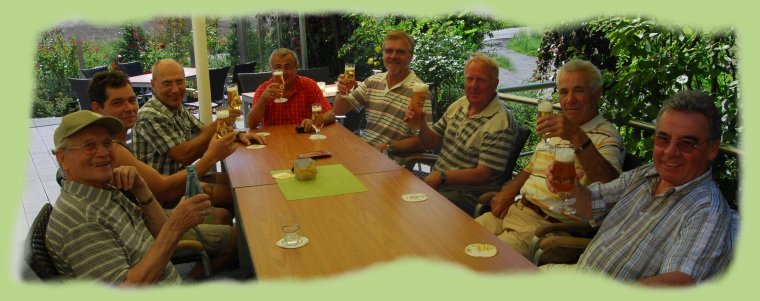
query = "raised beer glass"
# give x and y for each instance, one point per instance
(279, 79)
(545, 108)
(419, 96)
(563, 177)
(317, 122)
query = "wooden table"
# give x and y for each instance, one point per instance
(352, 231)
(330, 91)
(143, 80)
(251, 167)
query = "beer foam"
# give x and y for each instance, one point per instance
(222, 114)
(277, 73)
(232, 88)
(564, 155)
(417, 87)
(545, 106)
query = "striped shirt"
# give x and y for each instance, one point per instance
(608, 143)
(159, 129)
(485, 138)
(685, 229)
(297, 108)
(386, 107)
(98, 234)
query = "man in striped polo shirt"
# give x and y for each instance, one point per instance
(384, 96)
(96, 232)
(598, 152)
(476, 133)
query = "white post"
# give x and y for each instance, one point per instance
(201, 67)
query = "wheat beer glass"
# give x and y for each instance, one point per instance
(224, 124)
(317, 121)
(419, 96)
(233, 98)
(545, 108)
(350, 72)
(563, 177)
(279, 79)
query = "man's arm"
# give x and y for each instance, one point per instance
(505, 197)
(189, 151)
(468, 176)
(669, 279)
(341, 106)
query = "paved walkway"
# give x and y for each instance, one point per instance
(523, 65)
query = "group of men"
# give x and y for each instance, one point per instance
(675, 222)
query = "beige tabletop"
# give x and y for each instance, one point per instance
(143, 80)
(353, 231)
(251, 167)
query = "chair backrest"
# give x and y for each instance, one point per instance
(250, 81)
(249, 67)
(217, 78)
(89, 73)
(36, 253)
(522, 137)
(320, 74)
(80, 86)
(132, 68)
(631, 161)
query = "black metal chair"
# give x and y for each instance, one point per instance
(89, 73)
(217, 79)
(132, 68)
(320, 74)
(249, 67)
(80, 86)
(35, 252)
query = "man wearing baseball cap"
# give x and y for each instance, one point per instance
(96, 232)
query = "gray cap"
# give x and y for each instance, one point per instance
(74, 122)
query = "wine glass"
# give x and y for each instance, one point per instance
(279, 79)
(317, 122)
(563, 177)
(545, 108)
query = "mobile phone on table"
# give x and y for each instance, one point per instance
(315, 154)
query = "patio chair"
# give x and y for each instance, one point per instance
(249, 82)
(321, 74)
(35, 251)
(249, 67)
(132, 68)
(217, 78)
(89, 73)
(413, 163)
(80, 86)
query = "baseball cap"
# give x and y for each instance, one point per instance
(74, 122)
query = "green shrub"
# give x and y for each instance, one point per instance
(526, 42)
(54, 62)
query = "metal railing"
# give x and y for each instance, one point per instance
(506, 97)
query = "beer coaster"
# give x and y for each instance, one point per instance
(317, 137)
(262, 134)
(414, 197)
(256, 146)
(302, 241)
(283, 176)
(480, 250)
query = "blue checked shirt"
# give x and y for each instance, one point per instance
(686, 229)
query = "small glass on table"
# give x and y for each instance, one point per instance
(317, 121)
(563, 177)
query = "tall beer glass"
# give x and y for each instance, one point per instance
(279, 79)
(545, 108)
(419, 96)
(563, 177)
(317, 122)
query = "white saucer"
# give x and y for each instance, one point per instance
(302, 241)
(317, 137)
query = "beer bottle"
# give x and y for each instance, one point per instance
(193, 185)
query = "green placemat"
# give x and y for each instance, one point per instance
(331, 180)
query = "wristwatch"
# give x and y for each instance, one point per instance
(443, 177)
(145, 202)
(579, 149)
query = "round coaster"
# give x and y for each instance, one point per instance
(283, 176)
(480, 250)
(414, 197)
(302, 241)
(263, 134)
(256, 146)
(317, 137)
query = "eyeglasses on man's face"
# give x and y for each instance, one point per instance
(91, 147)
(685, 145)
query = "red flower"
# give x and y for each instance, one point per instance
(162, 46)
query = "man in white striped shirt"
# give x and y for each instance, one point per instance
(665, 223)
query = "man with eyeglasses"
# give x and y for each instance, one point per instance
(385, 96)
(665, 223)
(96, 232)
(166, 135)
(301, 92)
(522, 205)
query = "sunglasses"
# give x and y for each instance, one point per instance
(683, 145)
